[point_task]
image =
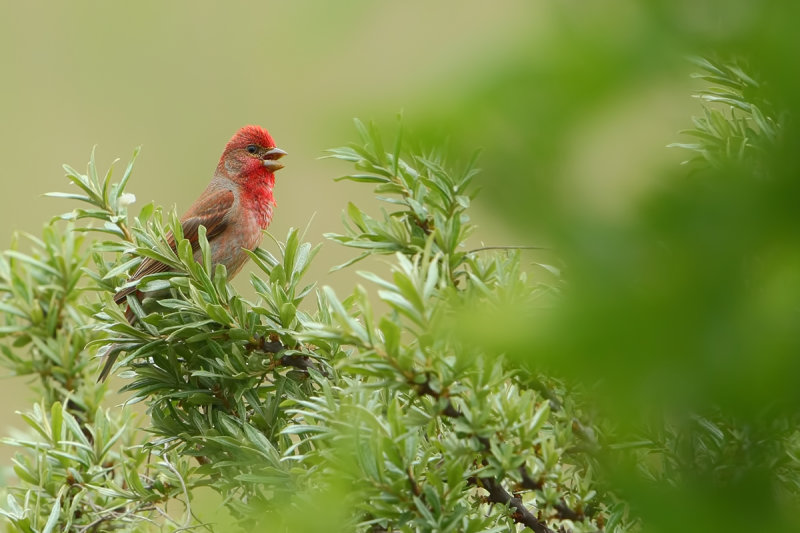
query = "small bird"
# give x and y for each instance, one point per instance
(235, 207)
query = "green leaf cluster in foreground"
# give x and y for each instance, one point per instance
(289, 397)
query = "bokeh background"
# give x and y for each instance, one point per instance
(682, 294)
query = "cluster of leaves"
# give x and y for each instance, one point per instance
(428, 201)
(738, 124)
(386, 420)
(81, 467)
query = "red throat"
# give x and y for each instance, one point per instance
(256, 194)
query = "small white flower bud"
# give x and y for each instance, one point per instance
(127, 198)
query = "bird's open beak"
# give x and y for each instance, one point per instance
(270, 159)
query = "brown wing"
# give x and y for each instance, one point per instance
(211, 214)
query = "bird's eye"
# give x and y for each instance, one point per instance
(252, 148)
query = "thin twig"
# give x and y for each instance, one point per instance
(522, 515)
(126, 232)
(188, 505)
(484, 248)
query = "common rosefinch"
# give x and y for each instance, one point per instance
(235, 207)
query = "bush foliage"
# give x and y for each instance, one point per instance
(294, 394)
(306, 411)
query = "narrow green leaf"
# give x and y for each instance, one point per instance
(52, 519)
(56, 419)
(363, 178)
(67, 195)
(122, 268)
(127, 174)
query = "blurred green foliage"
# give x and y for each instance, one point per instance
(681, 300)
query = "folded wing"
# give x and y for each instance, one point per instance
(212, 214)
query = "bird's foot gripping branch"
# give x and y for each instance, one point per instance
(286, 397)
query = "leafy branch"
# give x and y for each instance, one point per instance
(276, 398)
(738, 122)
